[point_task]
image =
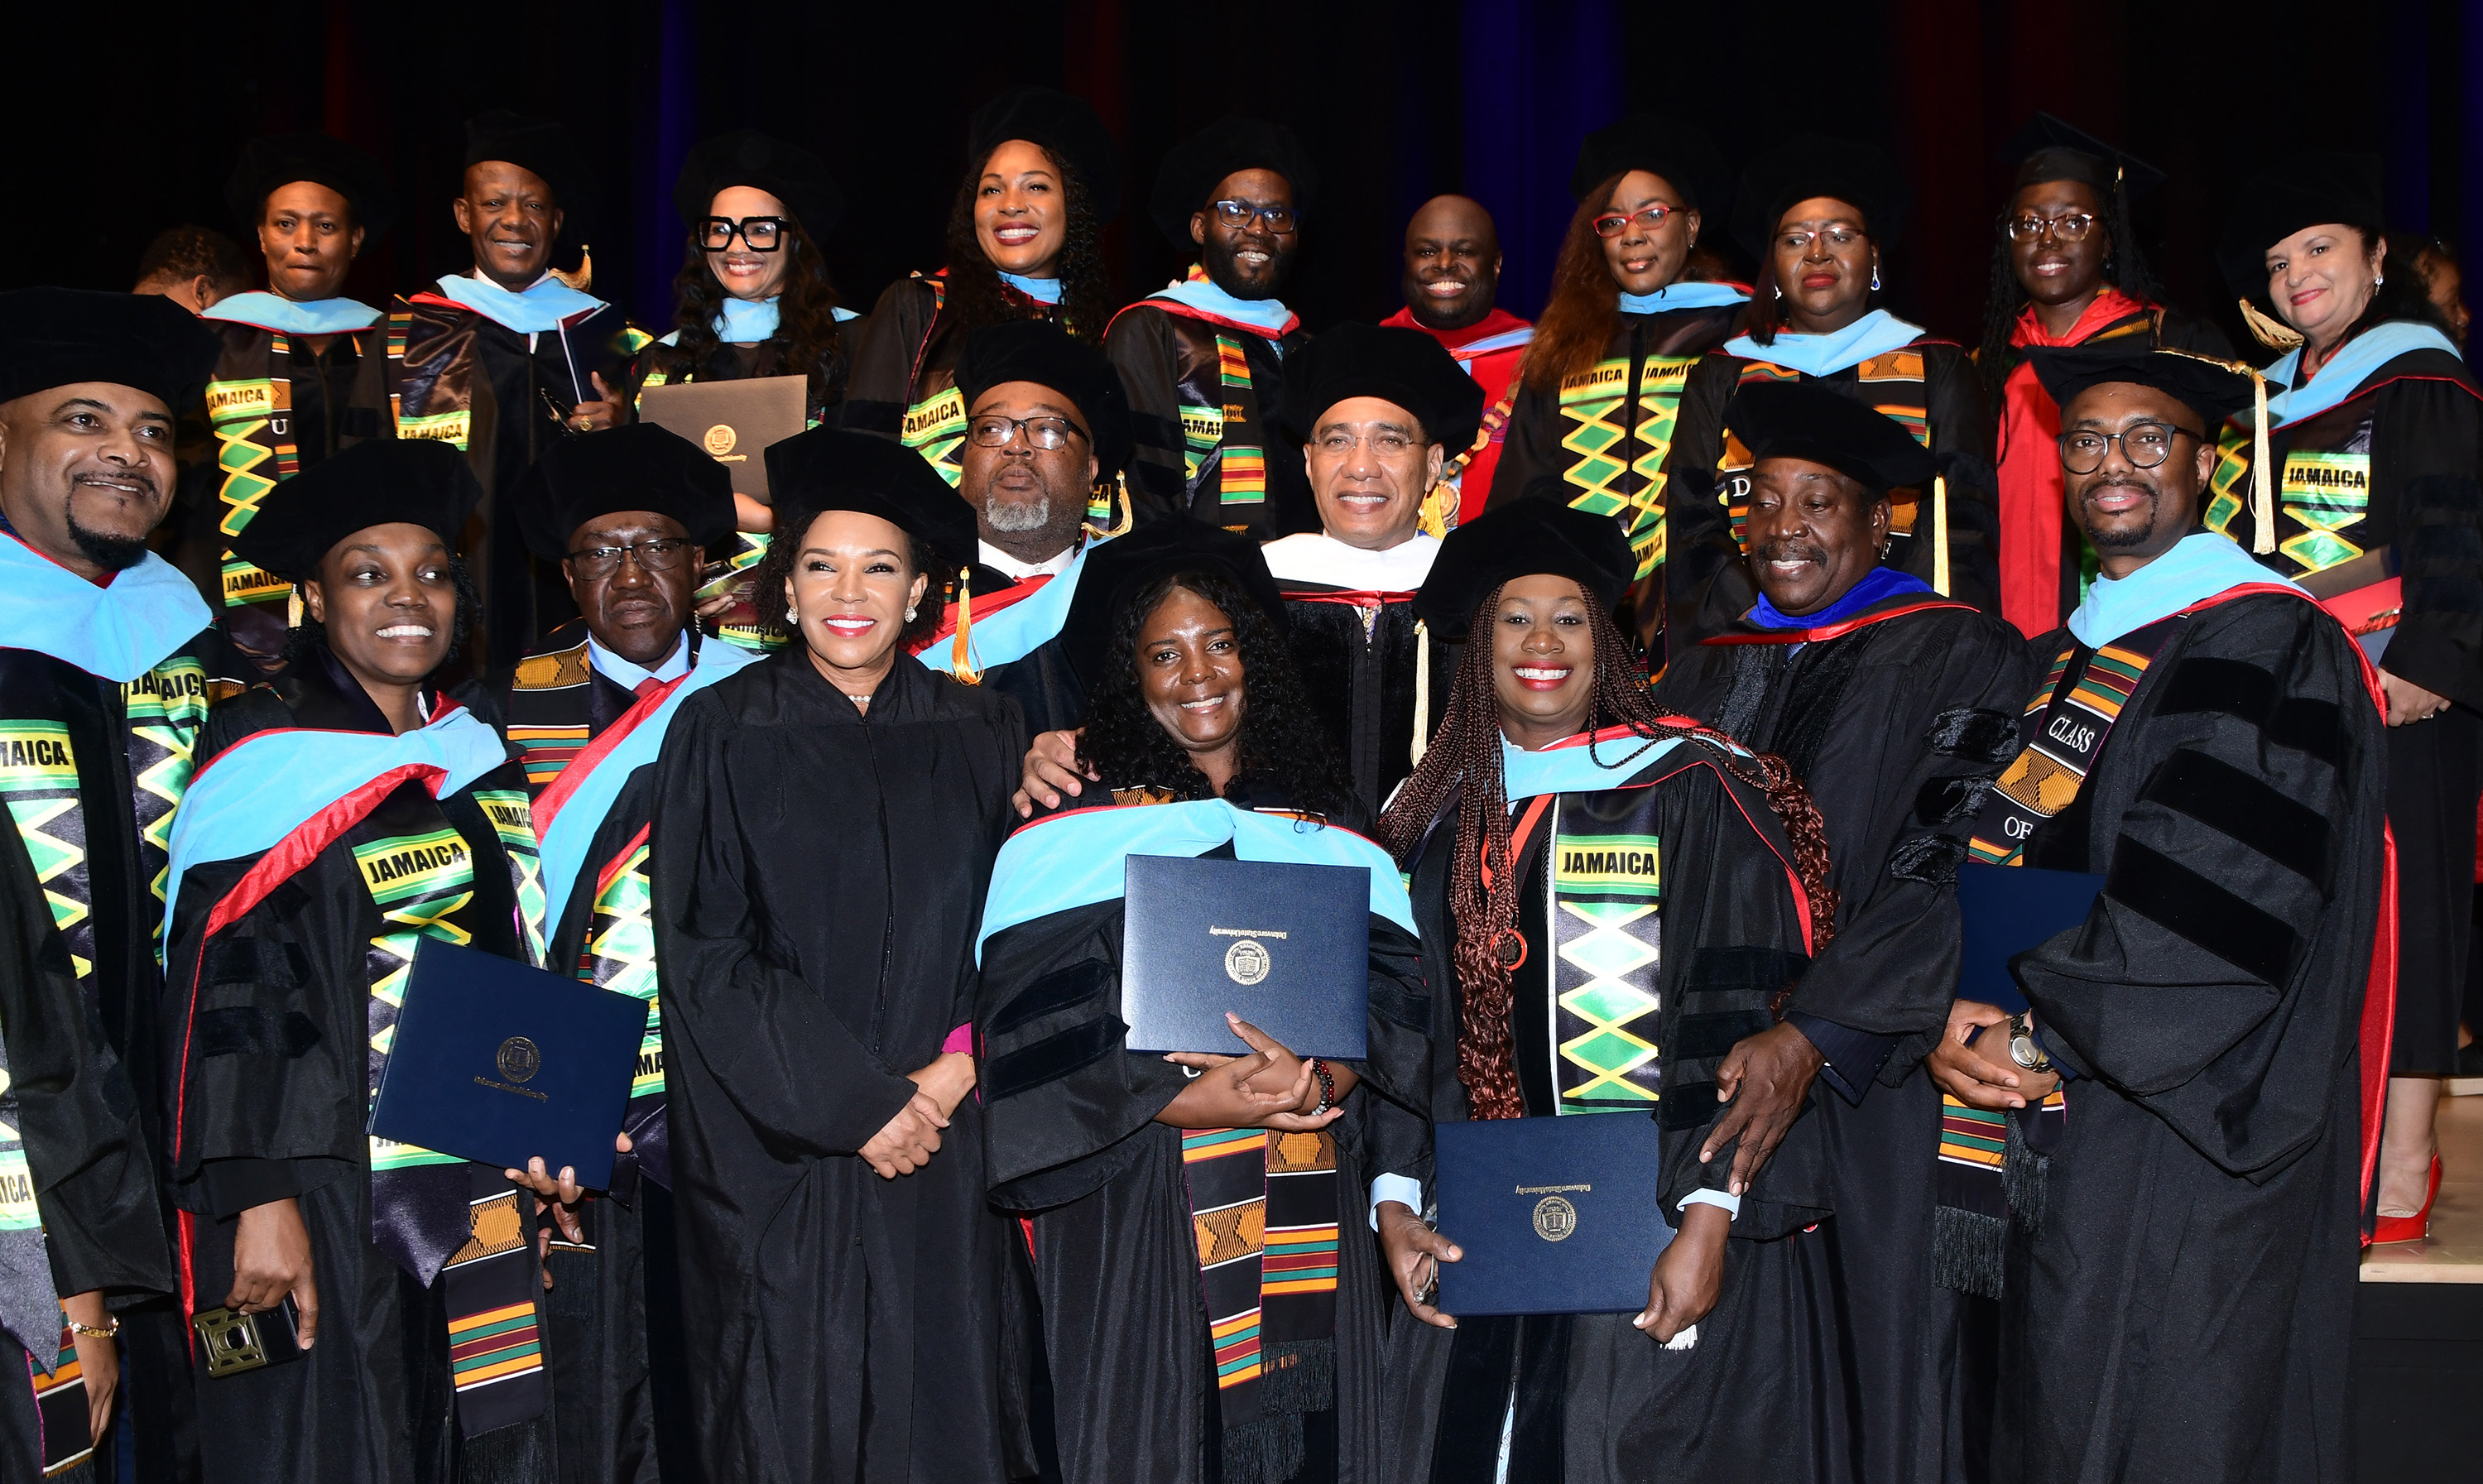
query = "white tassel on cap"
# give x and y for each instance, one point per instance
(1422, 690)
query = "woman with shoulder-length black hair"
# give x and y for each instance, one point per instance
(1609, 899)
(1043, 177)
(2375, 449)
(1614, 346)
(1211, 1301)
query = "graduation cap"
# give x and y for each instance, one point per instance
(1041, 352)
(275, 160)
(634, 466)
(57, 336)
(1542, 534)
(537, 146)
(377, 482)
(1805, 420)
(1117, 569)
(1198, 164)
(1404, 366)
(1067, 127)
(2216, 391)
(747, 157)
(2310, 188)
(2053, 149)
(829, 469)
(1861, 176)
(1685, 157)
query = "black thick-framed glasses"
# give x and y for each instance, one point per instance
(762, 234)
(1236, 212)
(655, 554)
(2144, 445)
(2072, 228)
(1044, 433)
(1612, 223)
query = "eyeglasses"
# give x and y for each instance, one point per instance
(762, 234)
(1839, 237)
(2072, 228)
(2144, 445)
(656, 554)
(1044, 433)
(1386, 444)
(1650, 217)
(1280, 220)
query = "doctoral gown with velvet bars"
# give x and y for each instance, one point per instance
(1895, 726)
(1761, 1397)
(2181, 1306)
(1074, 1144)
(818, 875)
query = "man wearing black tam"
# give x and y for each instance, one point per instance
(107, 665)
(627, 515)
(1204, 357)
(1881, 695)
(302, 372)
(2179, 1259)
(506, 359)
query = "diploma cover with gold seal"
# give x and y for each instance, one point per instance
(1285, 947)
(1556, 1215)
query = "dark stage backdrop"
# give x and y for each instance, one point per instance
(125, 120)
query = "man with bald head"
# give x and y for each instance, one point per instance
(1451, 280)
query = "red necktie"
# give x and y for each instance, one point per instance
(648, 686)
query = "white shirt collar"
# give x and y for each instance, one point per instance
(1317, 557)
(621, 673)
(994, 557)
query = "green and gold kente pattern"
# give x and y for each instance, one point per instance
(419, 882)
(1608, 936)
(165, 707)
(1595, 433)
(2324, 493)
(620, 955)
(2229, 486)
(38, 777)
(510, 811)
(935, 428)
(251, 458)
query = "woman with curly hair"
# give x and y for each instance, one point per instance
(1593, 416)
(1610, 899)
(1043, 177)
(1202, 1318)
(754, 300)
(824, 828)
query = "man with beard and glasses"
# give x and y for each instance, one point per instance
(508, 360)
(1451, 280)
(1203, 357)
(108, 667)
(2180, 1252)
(304, 371)
(1047, 434)
(1895, 705)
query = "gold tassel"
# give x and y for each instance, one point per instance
(293, 610)
(2274, 333)
(1116, 497)
(1422, 689)
(583, 279)
(1439, 516)
(2262, 498)
(1940, 535)
(960, 662)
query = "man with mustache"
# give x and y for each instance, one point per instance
(1203, 357)
(508, 360)
(108, 668)
(1047, 426)
(1896, 706)
(2181, 1263)
(625, 514)
(303, 372)
(1451, 280)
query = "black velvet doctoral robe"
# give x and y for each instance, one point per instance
(818, 875)
(2181, 1306)
(1761, 1397)
(266, 1087)
(1895, 723)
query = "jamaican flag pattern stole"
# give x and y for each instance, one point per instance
(27, 1303)
(1892, 385)
(249, 407)
(2323, 492)
(1616, 422)
(1605, 896)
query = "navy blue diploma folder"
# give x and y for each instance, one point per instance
(1556, 1215)
(1286, 947)
(2007, 910)
(496, 1062)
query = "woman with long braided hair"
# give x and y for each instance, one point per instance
(1571, 974)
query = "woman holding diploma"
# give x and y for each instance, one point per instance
(1202, 1318)
(342, 813)
(1586, 995)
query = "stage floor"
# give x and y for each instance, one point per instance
(2453, 1252)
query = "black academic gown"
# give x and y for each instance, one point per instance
(1073, 1145)
(818, 877)
(1762, 1394)
(266, 1087)
(2180, 1305)
(1357, 658)
(1895, 723)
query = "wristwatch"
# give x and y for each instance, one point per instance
(2022, 1048)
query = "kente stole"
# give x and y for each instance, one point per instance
(2323, 494)
(1222, 436)
(1603, 898)
(1894, 385)
(1263, 1206)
